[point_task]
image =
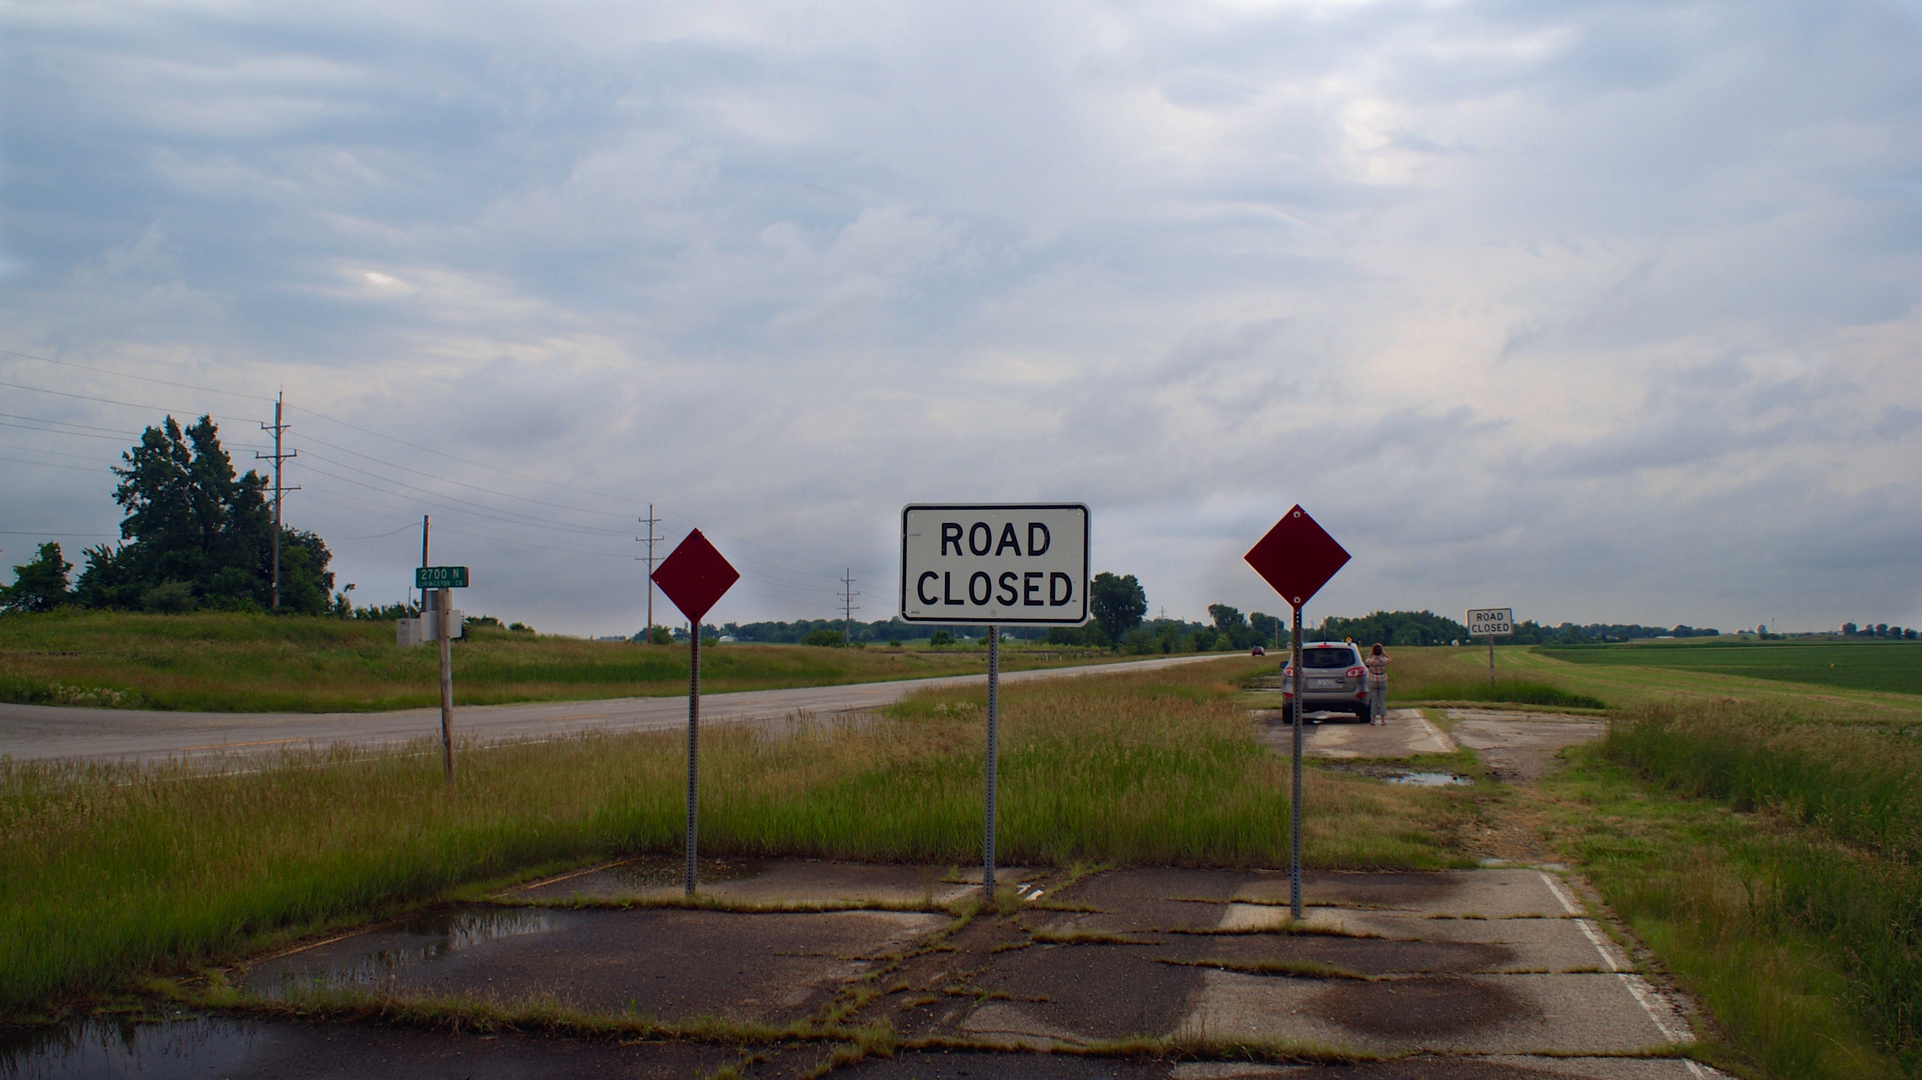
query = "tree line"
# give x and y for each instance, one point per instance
(194, 535)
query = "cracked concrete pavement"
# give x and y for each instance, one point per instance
(1185, 974)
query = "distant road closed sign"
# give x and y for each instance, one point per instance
(1491, 622)
(999, 563)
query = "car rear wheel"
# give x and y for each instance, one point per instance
(1362, 714)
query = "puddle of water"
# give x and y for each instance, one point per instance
(392, 951)
(193, 1046)
(1429, 779)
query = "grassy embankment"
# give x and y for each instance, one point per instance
(248, 663)
(1765, 839)
(106, 872)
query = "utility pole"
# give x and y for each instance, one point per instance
(848, 606)
(277, 457)
(426, 522)
(650, 540)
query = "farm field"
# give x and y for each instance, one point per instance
(1894, 666)
(1626, 676)
(258, 663)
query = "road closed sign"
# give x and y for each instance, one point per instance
(995, 563)
(1491, 622)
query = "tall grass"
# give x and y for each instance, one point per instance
(1445, 673)
(1841, 869)
(1509, 691)
(105, 871)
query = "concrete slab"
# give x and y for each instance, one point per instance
(669, 964)
(1425, 945)
(974, 1065)
(1488, 894)
(277, 1050)
(763, 881)
(1406, 734)
(1090, 992)
(1509, 1014)
(1521, 747)
(1492, 1067)
(1147, 899)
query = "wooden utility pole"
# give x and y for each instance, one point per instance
(444, 610)
(277, 457)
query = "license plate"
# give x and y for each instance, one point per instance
(1324, 684)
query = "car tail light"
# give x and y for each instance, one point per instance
(1355, 672)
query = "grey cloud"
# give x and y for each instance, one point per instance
(1571, 304)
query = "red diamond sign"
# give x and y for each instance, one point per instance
(695, 576)
(1297, 557)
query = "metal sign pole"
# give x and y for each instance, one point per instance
(1491, 661)
(1294, 804)
(994, 711)
(444, 608)
(693, 742)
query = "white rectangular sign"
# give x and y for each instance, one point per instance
(1491, 622)
(999, 563)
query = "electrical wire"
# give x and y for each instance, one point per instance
(778, 572)
(128, 404)
(130, 375)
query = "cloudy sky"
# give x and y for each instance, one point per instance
(1608, 311)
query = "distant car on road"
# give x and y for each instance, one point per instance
(1258, 651)
(1332, 679)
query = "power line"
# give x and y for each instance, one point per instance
(130, 375)
(848, 606)
(779, 571)
(111, 401)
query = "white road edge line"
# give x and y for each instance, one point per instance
(1637, 987)
(1442, 738)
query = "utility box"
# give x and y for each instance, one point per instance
(426, 629)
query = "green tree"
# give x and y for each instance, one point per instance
(192, 523)
(40, 585)
(1118, 604)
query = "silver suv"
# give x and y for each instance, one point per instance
(1332, 679)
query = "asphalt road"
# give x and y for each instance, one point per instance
(45, 732)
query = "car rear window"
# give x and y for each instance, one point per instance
(1327, 658)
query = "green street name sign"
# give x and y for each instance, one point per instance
(440, 577)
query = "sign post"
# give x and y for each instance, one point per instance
(444, 580)
(694, 576)
(1296, 557)
(992, 564)
(1488, 623)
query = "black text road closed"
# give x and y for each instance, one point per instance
(1491, 622)
(999, 563)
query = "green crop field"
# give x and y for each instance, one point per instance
(247, 663)
(1892, 666)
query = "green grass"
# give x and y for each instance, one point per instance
(106, 872)
(1893, 666)
(1695, 882)
(247, 663)
(1773, 858)
(1507, 690)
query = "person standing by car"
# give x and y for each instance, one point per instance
(1377, 665)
